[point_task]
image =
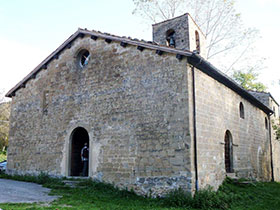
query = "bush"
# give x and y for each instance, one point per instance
(177, 198)
(206, 198)
(44, 178)
(203, 199)
(3, 156)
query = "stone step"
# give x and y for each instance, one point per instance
(239, 182)
(73, 183)
(77, 177)
(231, 175)
(70, 183)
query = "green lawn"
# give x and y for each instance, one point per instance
(92, 195)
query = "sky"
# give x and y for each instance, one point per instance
(30, 30)
(264, 15)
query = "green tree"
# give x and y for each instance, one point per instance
(276, 128)
(4, 123)
(248, 80)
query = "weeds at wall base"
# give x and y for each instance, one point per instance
(89, 194)
(206, 198)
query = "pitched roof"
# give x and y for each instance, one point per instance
(263, 96)
(213, 72)
(193, 58)
(94, 34)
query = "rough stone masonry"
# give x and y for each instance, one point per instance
(133, 101)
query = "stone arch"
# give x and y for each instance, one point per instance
(228, 152)
(78, 138)
(170, 38)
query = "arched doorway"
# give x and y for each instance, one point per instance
(79, 137)
(228, 152)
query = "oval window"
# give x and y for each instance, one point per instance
(83, 58)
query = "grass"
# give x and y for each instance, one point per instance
(94, 195)
(3, 156)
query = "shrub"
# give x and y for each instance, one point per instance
(177, 198)
(206, 198)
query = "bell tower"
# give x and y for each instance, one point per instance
(181, 33)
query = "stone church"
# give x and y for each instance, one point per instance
(156, 115)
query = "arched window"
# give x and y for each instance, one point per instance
(170, 38)
(266, 123)
(241, 110)
(228, 152)
(197, 41)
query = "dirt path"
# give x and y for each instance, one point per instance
(23, 192)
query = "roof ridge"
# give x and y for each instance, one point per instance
(203, 65)
(81, 32)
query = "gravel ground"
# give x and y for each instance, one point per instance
(23, 192)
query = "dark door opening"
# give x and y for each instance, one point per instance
(228, 153)
(79, 138)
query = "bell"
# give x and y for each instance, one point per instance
(172, 42)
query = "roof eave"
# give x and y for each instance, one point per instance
(100, 35)
(206, 67)
(193, 59)
(41, 65)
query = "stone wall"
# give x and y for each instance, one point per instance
(185, 29)
(274, 120)
(134, 105)
(137, 108)
(179, 25)
(193, 27)
(266, 99)
(217, 110)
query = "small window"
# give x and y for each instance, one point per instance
(266, 123)
(170, 38)
(83, 58)
(274, 111)
(197, 41)
(46, 101)
(241, 110)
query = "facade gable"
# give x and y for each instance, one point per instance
(135, 115)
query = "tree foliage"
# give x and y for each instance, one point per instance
(248, 80)
(4, 123)
(219, 21)
(276, 128)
